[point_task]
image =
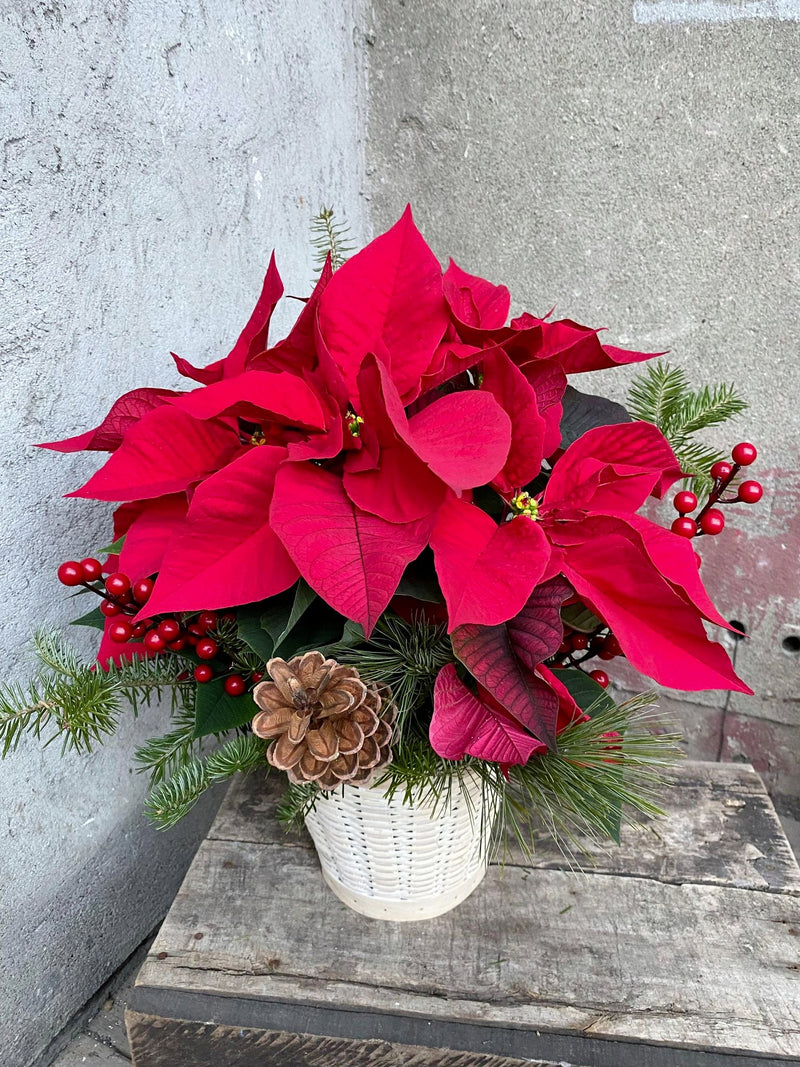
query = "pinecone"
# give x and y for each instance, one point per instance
(330, 726)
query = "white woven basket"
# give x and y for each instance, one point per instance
(390, 860)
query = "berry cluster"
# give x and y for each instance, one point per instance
(577, 647)
(122, 599)
(710, 519)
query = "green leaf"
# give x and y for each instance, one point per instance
(304, 597)
(583, 411)
(590, 697)
(579, 617)
(94, 618)
(216, 711)
(419, 578)
(114, 548)
(250, 630)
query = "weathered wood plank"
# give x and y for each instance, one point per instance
(722, 830)
(160, 1042)
(691, 966)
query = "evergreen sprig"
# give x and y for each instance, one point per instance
(662, 395)
(163, 755)
(174, 798)
(608, 769)
(406, 656)
(78, 702)
(329, 238)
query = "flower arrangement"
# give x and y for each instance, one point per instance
(389, 545)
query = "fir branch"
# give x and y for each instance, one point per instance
(80, 703)
(173, 799)
(163, 755)
(662, 395)
(296, 803)
(655, 393)
(329, 238)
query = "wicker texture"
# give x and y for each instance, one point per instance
(396, 861)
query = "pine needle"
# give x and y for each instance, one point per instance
(661, 394)
(173, 799)
(329, 238)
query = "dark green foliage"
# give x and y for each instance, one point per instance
(284, 626)
(583, 411)
(76, 702)
(217, 711)
(94, 618)
(586, 692)
(170, 801)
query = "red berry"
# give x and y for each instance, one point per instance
(722, 470)
(92, 569)
(600, 677)
(142, 589)
(744, 453)
(206, 648)
(713, 522)
(207, 620)
(685, 501)
(203, 673)
(140, 629)
(234, 686)
(579, 642)
(120, 631)
(192, 639)
(684, 526)
(170, 629)
(611, 648)
(565, 647)
(750, 492)
(195, 630)
(118, 584)
(228, 616)
(177, 646)
(109, 608)
(257, 676)
(70, 573)
(154, 642)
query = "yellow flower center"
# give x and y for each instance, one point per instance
(524, 504)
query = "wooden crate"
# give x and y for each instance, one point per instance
(680, 948)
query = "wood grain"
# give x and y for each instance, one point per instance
(179, 1042)
(721, 830)
(691, 954)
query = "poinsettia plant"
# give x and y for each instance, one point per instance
(406, 485)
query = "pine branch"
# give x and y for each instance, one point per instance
(406, 657)
(296, 803)
(579, 791)
(655, 393)
(173, 799)
(329, 238)
(80, 703)
(163, 755)
(662, 395)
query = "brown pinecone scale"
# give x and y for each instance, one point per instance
(327, 724)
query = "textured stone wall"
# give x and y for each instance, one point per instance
(154, 152)
(636, 164)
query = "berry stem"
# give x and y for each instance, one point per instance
(715, 496)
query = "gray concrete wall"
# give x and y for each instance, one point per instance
(637, 164)
(154, 152)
